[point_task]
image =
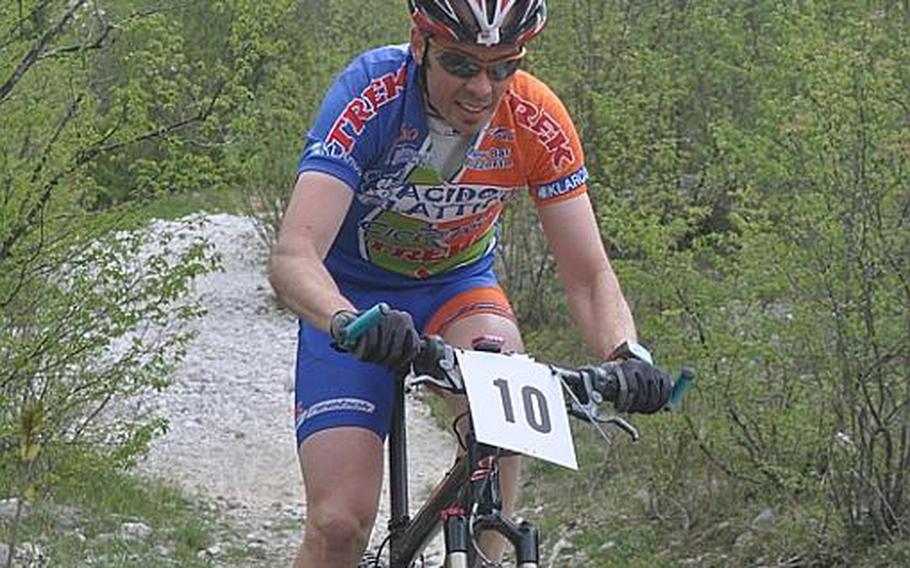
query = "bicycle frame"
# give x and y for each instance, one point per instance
(468, 496)
(463, 498)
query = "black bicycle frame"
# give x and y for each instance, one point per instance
(451, 504)
(408, 537)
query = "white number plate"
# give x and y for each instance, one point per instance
(517, 404)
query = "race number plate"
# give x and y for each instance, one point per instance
(517, 404)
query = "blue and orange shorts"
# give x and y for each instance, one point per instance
(335, 389)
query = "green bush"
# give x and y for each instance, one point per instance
(89, 313)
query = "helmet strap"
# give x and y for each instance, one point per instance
(422, 76)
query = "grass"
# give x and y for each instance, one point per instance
(627, 507)
(79, 518)
(614, 517)
(177, 205)
(170, 207)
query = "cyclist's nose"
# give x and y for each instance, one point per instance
(480, 87)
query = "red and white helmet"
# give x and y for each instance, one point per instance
(486, 22)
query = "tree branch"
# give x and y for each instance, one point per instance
(87, 155)
(35, 52)
(108, 28)
(17, 28)
(30, 217)
(99, 41)
(91, 153)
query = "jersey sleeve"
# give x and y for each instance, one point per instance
(555, 160)
(345, 137)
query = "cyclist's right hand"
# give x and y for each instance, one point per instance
(392, 343)
(647, 388)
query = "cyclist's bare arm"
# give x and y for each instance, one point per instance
(595, 298)
(310, 224)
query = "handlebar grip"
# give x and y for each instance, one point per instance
(682, 384)
(364, 321)
(609, 385)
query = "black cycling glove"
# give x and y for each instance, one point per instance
(642, 387)
(392, 343)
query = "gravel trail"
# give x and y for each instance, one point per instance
(231, 439)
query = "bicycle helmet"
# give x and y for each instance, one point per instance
(486, 22)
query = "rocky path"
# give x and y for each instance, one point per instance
(231, 437)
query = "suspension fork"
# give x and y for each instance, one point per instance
(481, 509)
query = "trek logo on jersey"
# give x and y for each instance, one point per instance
(352, 120)
(564, 185)
(548, 131)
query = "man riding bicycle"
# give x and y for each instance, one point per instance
(413, 154)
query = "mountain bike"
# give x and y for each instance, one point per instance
(467, 501)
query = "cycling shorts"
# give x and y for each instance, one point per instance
(335, 389)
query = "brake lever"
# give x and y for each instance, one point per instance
(623, 425)
(594, 417)
(590, 412)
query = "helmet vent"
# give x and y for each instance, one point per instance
(485, 22)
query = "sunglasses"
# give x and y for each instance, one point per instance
(466, 67)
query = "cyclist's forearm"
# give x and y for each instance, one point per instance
(307, 288)
(601, 312)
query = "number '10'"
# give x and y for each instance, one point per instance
(535, 405)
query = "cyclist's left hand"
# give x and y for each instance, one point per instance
(647, 387)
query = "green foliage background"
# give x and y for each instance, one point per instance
(749, 170)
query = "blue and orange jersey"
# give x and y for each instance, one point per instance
(406, 223)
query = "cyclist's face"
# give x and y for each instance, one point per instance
(466, 81)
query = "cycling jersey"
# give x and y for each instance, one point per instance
(406, 224)
(417, 240)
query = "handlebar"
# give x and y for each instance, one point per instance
(586, 387)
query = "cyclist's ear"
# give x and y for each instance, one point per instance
(418, 44)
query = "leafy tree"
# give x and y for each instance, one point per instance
(89, 313)
(296, 50)
(794, 308)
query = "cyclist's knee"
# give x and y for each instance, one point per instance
(339, 533)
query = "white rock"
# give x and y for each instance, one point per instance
(135, 530)
(209, 553)
(9, 506)
(764, 520)
(257, 549)
(29, 555)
